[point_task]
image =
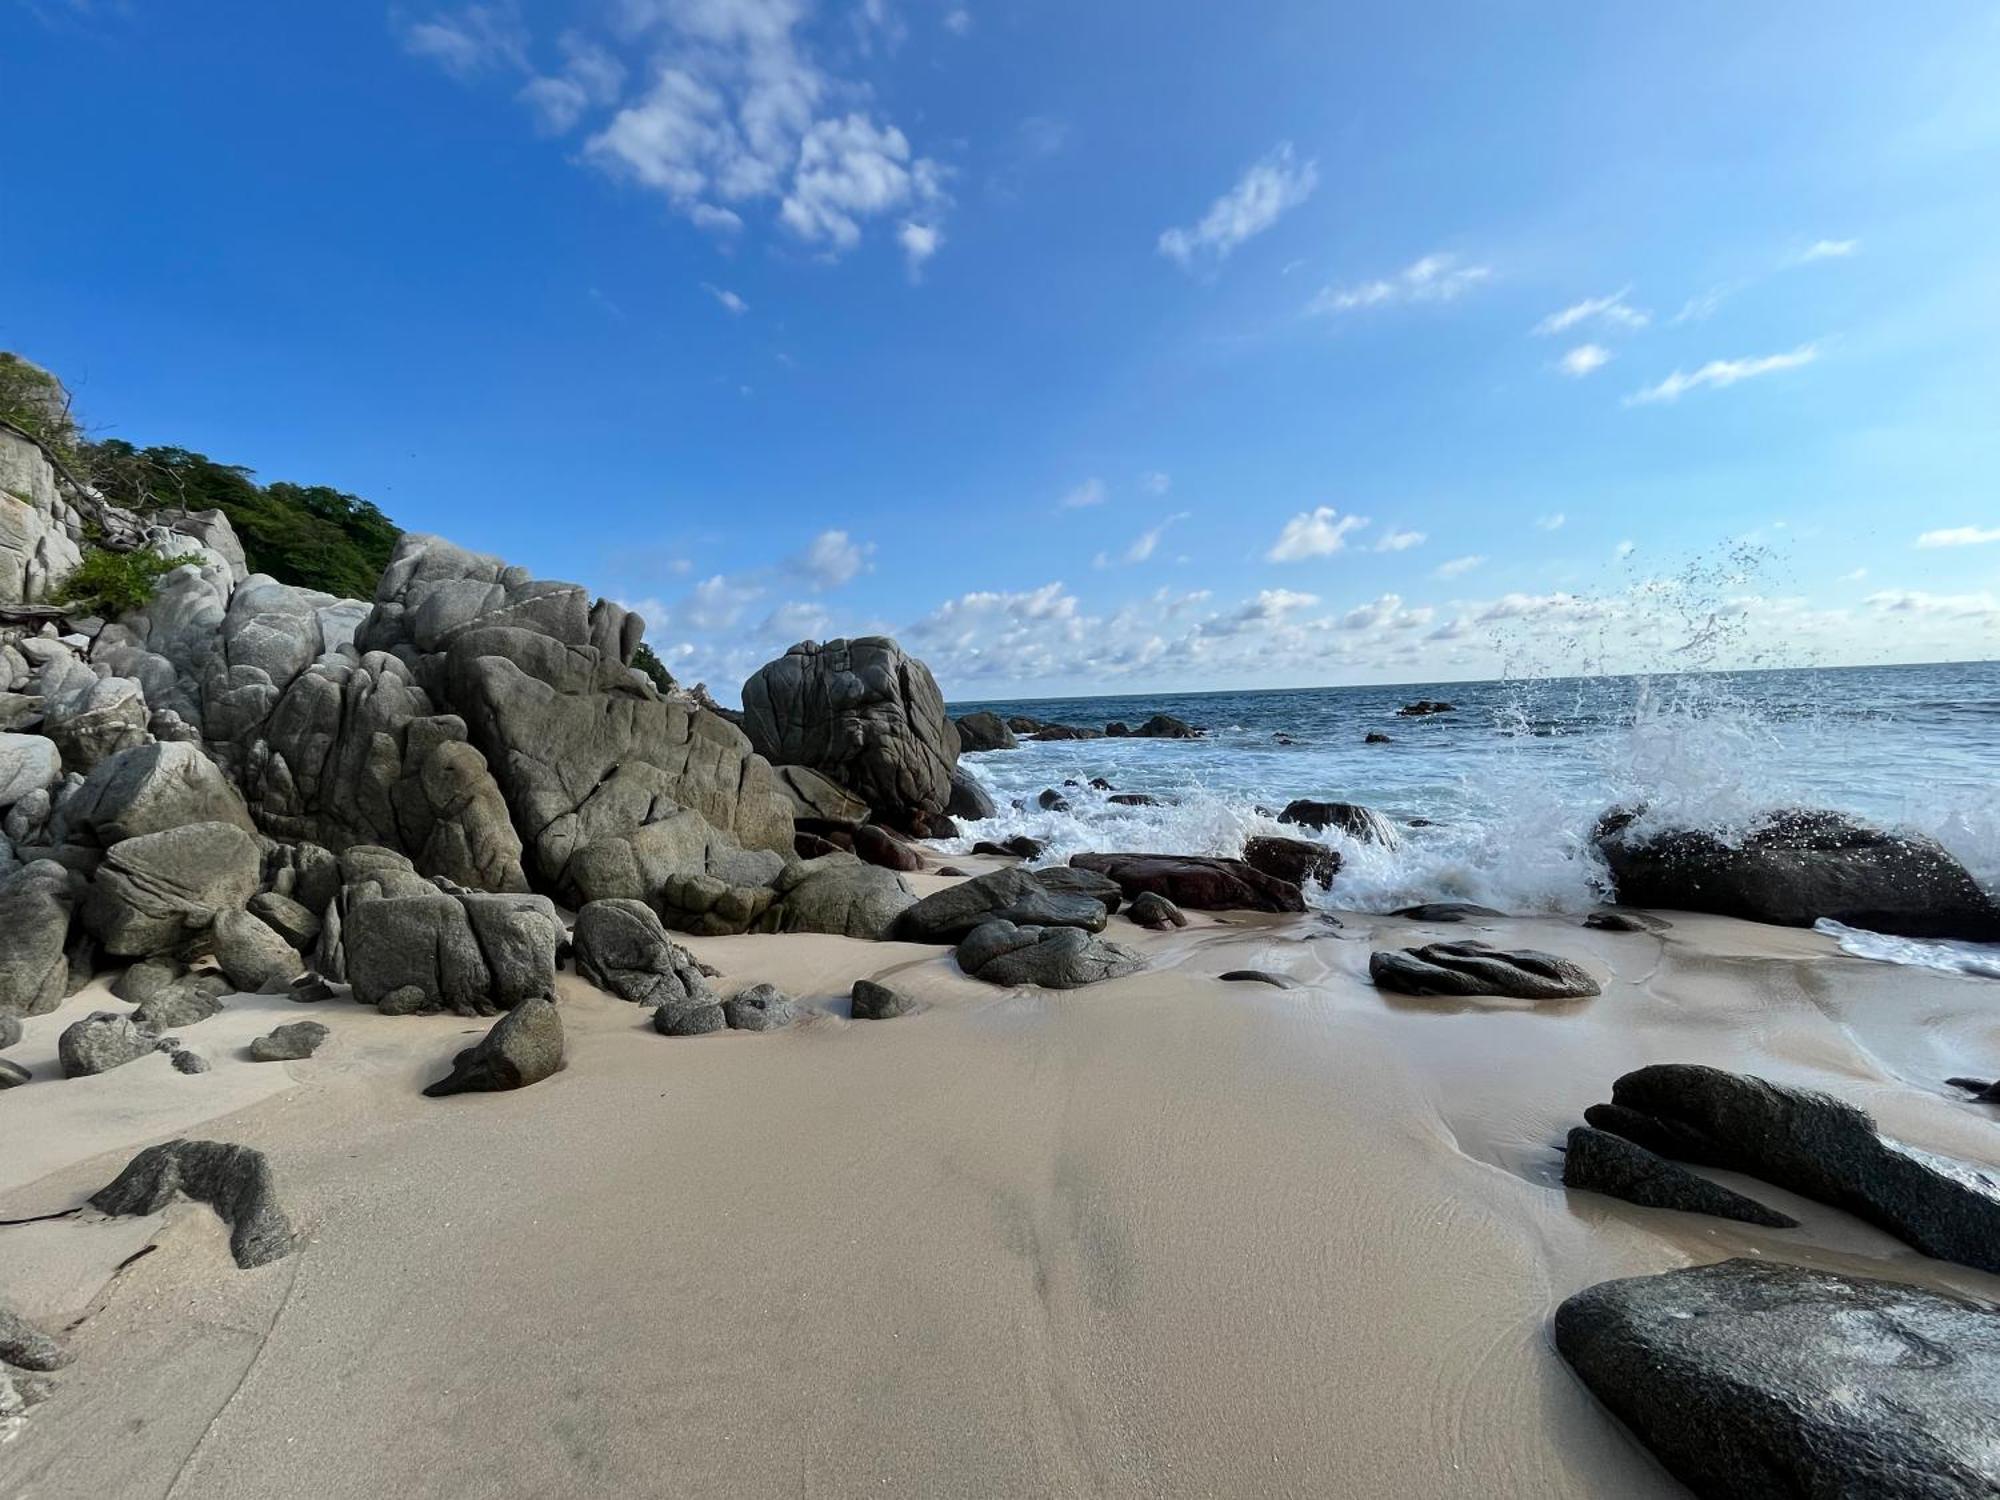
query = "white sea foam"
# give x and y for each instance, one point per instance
(1923, 953)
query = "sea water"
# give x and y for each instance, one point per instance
(1495, 801)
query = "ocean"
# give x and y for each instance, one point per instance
(1495, 801)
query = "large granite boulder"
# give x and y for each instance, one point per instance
(1197, 883)
(154, 893)
(1796, 867)
(863, 713)
(1475, 969)
(1814, 1145)
(1351, 818)
(815, 796)
(1012, 895)
(620, 946)
(254, 955)
(471, 954)
(1298, 862)
(149, 789)
(28, 763)
(1056, 958)
(985, 730)
(35, 905)
(525, 1046)
(1750, 1380)
(38, 530)
(838, 894)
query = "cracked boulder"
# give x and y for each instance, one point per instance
(469, 953)
(154, 893)
(620, 946)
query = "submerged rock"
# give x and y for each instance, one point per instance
(1599, 1162)
(1798, 866)
(525, 1046)
(233, 1180)
(1750, 1380)
(1056, 958)
(1811, 1144)
(1475, 969)
(1257, 976)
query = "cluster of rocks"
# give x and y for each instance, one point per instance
(986, 730)
(1757, 1378)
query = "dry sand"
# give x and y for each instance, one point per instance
(1163, 1236)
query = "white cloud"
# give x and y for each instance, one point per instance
(1609, 312)
(1156, 483)
(1262, 195)
(1090, 492)
(1552, 522)
(467, 41)
(1702, 306)
(850, 169)
(920, 242)
(831, 559)
(1144, 545)
(1828, 250)
(1584, 359)
(1458, 567)
(1980, 606)
(1624, 549)
(1960, 536)
(589, 77)
(1721, 373)
(1315, 533)
(727, 298)
(958, 21)
(1399, 541)
(1434, 278)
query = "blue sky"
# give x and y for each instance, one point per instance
(1107, 346)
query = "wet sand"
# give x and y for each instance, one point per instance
(1161, 1236)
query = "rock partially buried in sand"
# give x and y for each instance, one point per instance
(1256, 976)
(1475, 969)
(253, 954)
(98, 1043)
(762, 1007)
(525, 1046)
(877, 1002)
(1056, 958)
(185, 1061)
(299, 1039)
(1626, 921)
(1750, 1380)
(1813, 1145)
(621, 946)
(1597, 1161)
(1151, 909)
(1982, 1091)
(1446, 911)
(24, 1345)
(12, 1074)
(233, 1180)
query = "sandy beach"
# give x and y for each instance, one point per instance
(1163, 1236)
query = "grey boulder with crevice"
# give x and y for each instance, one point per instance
(1056, 958)
(154, 893)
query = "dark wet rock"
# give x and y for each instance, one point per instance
(525, 1046)
(1475, 969)
(1797, 867)
(1750, 1380)
(156, 892)
(1599, 1162)
(1375, 737)
(1056, 731)
(12, 1074)
(1151, 909)
(1069, 880)
(969, 800)
(35, 905)
(1626, 921)
(1012, 895)
(876, 845)
(1298, 862)
(309, 989)
(185, 1061)
(1811, 1144)
(877, 1002)
(1424, 707)
(1350, 818)
(1197, 883)
(762, 1007)
(1446, 911)
(1982, 1090)
(290, 1043)
(27, 1347)
(1099, 784)
(1018, 847)
(1166, 727)
(235, 1181)
(862, 712)
(1257, 976)
(254, 954)
(985, 730)
(98, 1043)
(1135, 799)
(1052, 800)
(1057, 958)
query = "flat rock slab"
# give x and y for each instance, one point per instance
(233, 1180)
(1475, 969)
(1811, 1144)
(1752, 1380)
(1599, 1162)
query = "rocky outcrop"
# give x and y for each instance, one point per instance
(158, 892)
(1298, 862)
(1014, 896)
(1056, 958)
(985, 730)
(149, 789)
(1475, 969)
(620, 946)
(1796, 867)
(234, 1180)
(1196, 883)
(1351, 818)
(1813, 1145)
(1599, 1162)
(1751, 1380)
(863, 713)
(35, 905)
(468, 953)
(525, 1046)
